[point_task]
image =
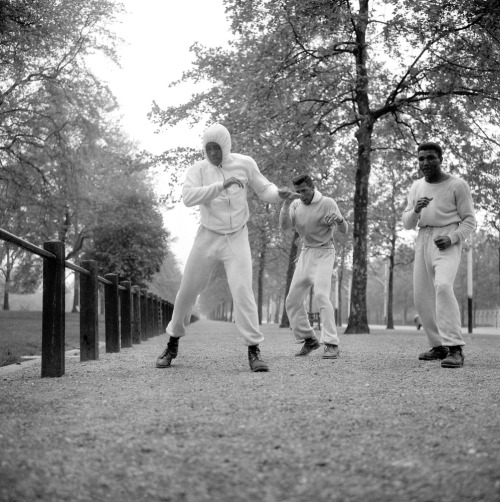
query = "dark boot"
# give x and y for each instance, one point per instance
(455, 358)
(170, 352)
(255, 360)
(433, 354)
(309, 345)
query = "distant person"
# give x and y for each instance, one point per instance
(441, 206)
(418, 324)
(314, 217)
(219, 185)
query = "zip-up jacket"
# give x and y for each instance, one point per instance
(225, 210)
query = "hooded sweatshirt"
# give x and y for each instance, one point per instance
(224, 210)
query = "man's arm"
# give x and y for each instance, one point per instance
(285, 220)
(194, 192)
(465, 209)
(410, 214)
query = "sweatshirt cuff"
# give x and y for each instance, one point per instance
(455, 238)
(220, 185)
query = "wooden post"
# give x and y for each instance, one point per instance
(126, 314)
(89, 312)
(53, 325)
(111, 313)
(136, 326)
(168, 315)
(144, 315)
(157, 315)
(150, 314)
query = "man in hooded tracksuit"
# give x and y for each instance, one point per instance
(218, 185)
(315, 218)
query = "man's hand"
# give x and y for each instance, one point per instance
(287, 194)
(330, 219)
(442, 242)
(233, 181)
(421, 203)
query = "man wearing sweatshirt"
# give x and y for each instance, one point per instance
(218, 185)
(441, 206)
(315, 218)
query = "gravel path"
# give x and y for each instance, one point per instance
(376, 425)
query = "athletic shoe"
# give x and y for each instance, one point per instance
(310, 344)
(433, 354)
(331, 351)
(255, 360)
(170, 352)
(455, 358)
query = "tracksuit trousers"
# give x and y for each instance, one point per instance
(314, 268)
(233, 250)
(434, 273)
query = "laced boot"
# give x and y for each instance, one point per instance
(170, 352)
(331, 351)
(455, 358)
(433, 354)
(255, 359)
(310, 344)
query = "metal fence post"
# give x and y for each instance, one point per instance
(53, 320)
(89, 312)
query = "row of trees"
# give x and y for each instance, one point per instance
(67, 170)
(346, 90)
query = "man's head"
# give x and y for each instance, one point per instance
(304, 186)
(429, 145)
(430, 156)
(217, 144)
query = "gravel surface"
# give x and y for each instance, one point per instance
(376, 425)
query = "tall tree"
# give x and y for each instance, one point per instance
(311, 70)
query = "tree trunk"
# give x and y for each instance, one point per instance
(260, 279)
(285, 322)
(8, 266)
(278, 306)
(340, 281)
(390, 285)
(358, 318)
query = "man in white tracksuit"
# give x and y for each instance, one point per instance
(315, 218)
(219, 184)
(441, 206)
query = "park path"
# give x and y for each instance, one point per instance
(376, 425)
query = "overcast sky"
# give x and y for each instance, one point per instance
(157, 35)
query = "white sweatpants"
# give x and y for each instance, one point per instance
(314, 268)
(434, 273)
(233, 250)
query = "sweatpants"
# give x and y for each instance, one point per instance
(434, 273)
(314, 268)
(233, 250)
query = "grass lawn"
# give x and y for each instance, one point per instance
(21, 334)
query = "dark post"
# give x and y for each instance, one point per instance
(111, 313)
(136, 308)
(89, 312)
(156, 301)
(144, 314)
(168, 315)
(150, 314)
(126, 314)
(53, 334)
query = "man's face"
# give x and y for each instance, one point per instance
(306, 193)
(214, 153)
(429, 163)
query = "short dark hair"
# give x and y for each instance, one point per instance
(303, 178)
(429, 145)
